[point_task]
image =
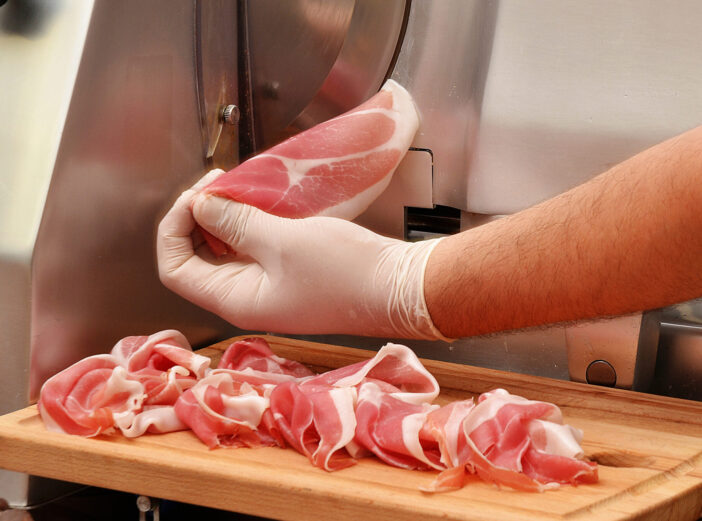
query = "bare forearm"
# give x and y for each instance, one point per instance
(626, 241)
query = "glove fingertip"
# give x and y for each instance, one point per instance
(219, 217)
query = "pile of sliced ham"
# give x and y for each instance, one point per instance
(337, 168)
(382, 407)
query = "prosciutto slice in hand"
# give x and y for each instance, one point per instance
(337, 168)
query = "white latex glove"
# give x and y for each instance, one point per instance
(299, 276)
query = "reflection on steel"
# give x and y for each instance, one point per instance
(41, 50)
(679, 360)
(575, 87)
(217, 83)
(523, 100)
(313, 59)
(443, 63)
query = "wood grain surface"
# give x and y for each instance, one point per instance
(649, 449)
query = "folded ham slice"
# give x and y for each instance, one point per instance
(394, 367)
(256, 354)
(132, 389)
(163, 362)
(393, 430)
(336, 168)
(157, 419)
(318, 416)
(524, 443)
(511, 441)
(224, 412)
(230, 407)
(317, 420)
(88, 397)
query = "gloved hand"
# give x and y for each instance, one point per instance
(300, 276)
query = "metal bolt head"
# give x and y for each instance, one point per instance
(144, 504)
(601, 372)
(230, 114)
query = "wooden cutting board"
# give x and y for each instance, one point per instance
(649, 449)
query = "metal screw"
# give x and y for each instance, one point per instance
(146, 504)
(230, 114)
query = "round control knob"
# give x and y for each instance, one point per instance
(230, 114)
(601, 372)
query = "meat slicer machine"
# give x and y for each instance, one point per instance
(110, 109)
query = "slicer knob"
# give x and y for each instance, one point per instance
(230, 114)
(601, 372)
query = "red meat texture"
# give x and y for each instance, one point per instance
(382, 407)
(337, 168)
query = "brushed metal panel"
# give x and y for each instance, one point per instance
(292, 47)
(679, 363)
(539, 352)
(131, 143)
(523, 100)
(410, 186)
(216, 66)
(443, 63)
(312, 59)
(574, 87)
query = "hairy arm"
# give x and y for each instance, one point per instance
(628, 240)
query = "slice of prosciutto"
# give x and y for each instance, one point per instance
(256, 354)
(317, 420)
(319, 416)
(224, 412)
(163, 362)
(157, 419)
(230, 406)
(89, 396)
(393, 429)
(524, 443)
(336, 168)
(133, 388)
(395, 368)
(511, 441)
